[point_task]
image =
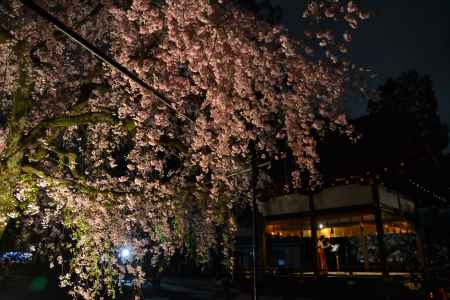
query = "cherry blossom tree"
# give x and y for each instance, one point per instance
(91, 161)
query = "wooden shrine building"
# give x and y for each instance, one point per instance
(374, 227)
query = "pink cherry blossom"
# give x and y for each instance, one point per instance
(149, 169)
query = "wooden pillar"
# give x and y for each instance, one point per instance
(269, 258)
(313, 223)
(380, 229)
(420, 251)
(263, 242)
(301, 267)
(365, 246)
(420, 238)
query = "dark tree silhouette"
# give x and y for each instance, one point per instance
(409, 101)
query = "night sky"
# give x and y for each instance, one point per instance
(403, 35)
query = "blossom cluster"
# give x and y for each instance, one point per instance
(93, 162)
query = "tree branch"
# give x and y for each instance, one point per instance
(67, 121)
(78, 185)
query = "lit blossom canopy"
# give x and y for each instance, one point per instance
(91, 159)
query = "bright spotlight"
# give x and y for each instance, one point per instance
(125, 252)
(320, 226)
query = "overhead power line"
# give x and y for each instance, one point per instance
(76, 38)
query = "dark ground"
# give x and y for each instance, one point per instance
(35, 286)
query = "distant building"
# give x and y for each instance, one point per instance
(360, 218)
(371, 204)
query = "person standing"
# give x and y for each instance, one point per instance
(322, 244)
